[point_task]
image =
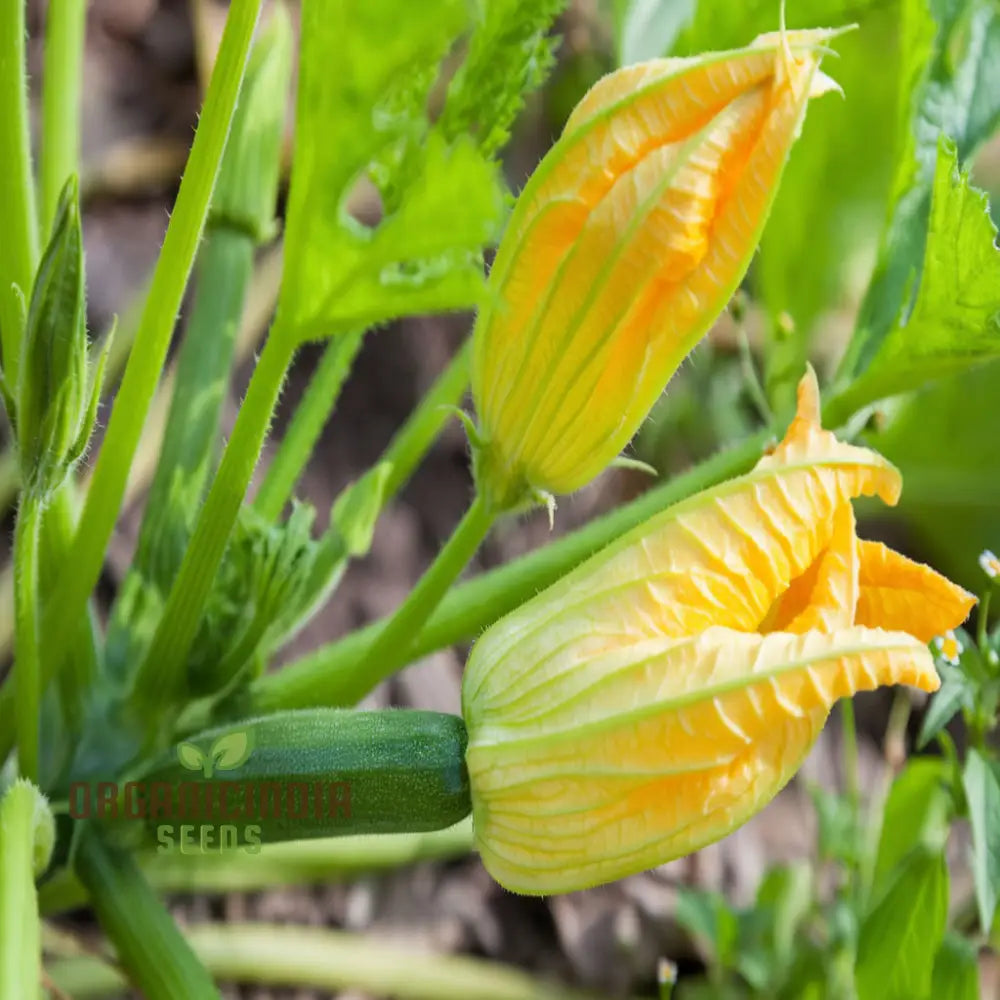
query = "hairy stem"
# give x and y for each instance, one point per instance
(27, 680)
(397, 637)
(83, 566)
(162, 675)
(310, 415)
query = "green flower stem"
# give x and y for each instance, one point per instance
(162, 674)
(149, 944)
(58, 528)
(849, 737)
(225, 267)
(331, 676)
(327, 960)
(414, 439)
(301, 862)
(396, 638)
(83, 566)
(27, 680)
(26, 835)
(310, 415)
(19, 245)
(64, 36)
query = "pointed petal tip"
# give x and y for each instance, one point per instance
(807, 397)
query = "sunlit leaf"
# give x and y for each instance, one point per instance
(900, 936)
(955, 321)
(439, 197)
(950, 52)
(916, 815)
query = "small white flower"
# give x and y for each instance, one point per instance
(948, 647)
(989, 563)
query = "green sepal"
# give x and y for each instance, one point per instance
(635, 464)
(51, 389)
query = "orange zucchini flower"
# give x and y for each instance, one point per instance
(658, 696)
(623, 249)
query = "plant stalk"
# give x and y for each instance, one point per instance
(148, 943)
(303, 432)
(329, 960)
(299, 862)
(25, 845)
(409, 446)
(397, 637)
(65, 23)
(19, 245)
(27, 669)
(224, 270)
(162, 674)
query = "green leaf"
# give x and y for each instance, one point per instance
(786, 894)
(916, 815)
(231, 749)
(441, 198)
(956, 693)
(714, 926)
(956, 970)
(951, 51)
(838, 835)
(982, 793)
(509, 55)
(900, 936)
(955, 320)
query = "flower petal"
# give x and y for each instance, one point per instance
(898, 593)
(665, 754)
(720, 558)
(826, 595)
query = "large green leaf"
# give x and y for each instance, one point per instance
(365, 77)
(982, 793)
(954, 322)
(916, 816)
(900, 936)
(949, 77)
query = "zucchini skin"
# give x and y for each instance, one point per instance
(310, 773)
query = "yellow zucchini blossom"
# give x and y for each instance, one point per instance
(658, 696)
(624, 247)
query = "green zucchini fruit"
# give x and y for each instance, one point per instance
(291, 776)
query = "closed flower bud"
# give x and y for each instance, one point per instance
(55, 403)
(662, 693)
(623, 249)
